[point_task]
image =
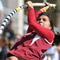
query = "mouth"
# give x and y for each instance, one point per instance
(41, 24)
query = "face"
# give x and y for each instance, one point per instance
(44, 21)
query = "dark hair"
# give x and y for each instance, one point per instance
(57, 39)
(50, 18)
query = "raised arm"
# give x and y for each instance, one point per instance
(40, 30)
(37, 13)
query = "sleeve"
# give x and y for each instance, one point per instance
(40, 30)
(37, 13)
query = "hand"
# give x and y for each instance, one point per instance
(29, 3)
(47, 7)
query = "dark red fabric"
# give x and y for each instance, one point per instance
(24, 48)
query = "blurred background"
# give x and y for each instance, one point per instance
(18, 24)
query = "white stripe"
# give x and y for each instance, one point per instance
(8, 17)
(2, 27)
(1, 31)
(15, 11)
(35, 39)
(48, 41)
(12, 12)
(6, 20)
(4, 23)
(38, 37)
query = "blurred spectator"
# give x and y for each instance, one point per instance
(51, 54)
(8, 31)
(54, 51)
(3, 48)
(11, 43)
(1, 12)
(6, 42)
(13, 40)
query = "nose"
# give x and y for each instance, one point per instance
(41, 20)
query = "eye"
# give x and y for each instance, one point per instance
(44, 19)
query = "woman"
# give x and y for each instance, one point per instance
(38, 39)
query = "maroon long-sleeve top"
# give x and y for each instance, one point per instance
(35, 42)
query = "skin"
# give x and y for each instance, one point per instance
(12, 58)
(44, 21)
